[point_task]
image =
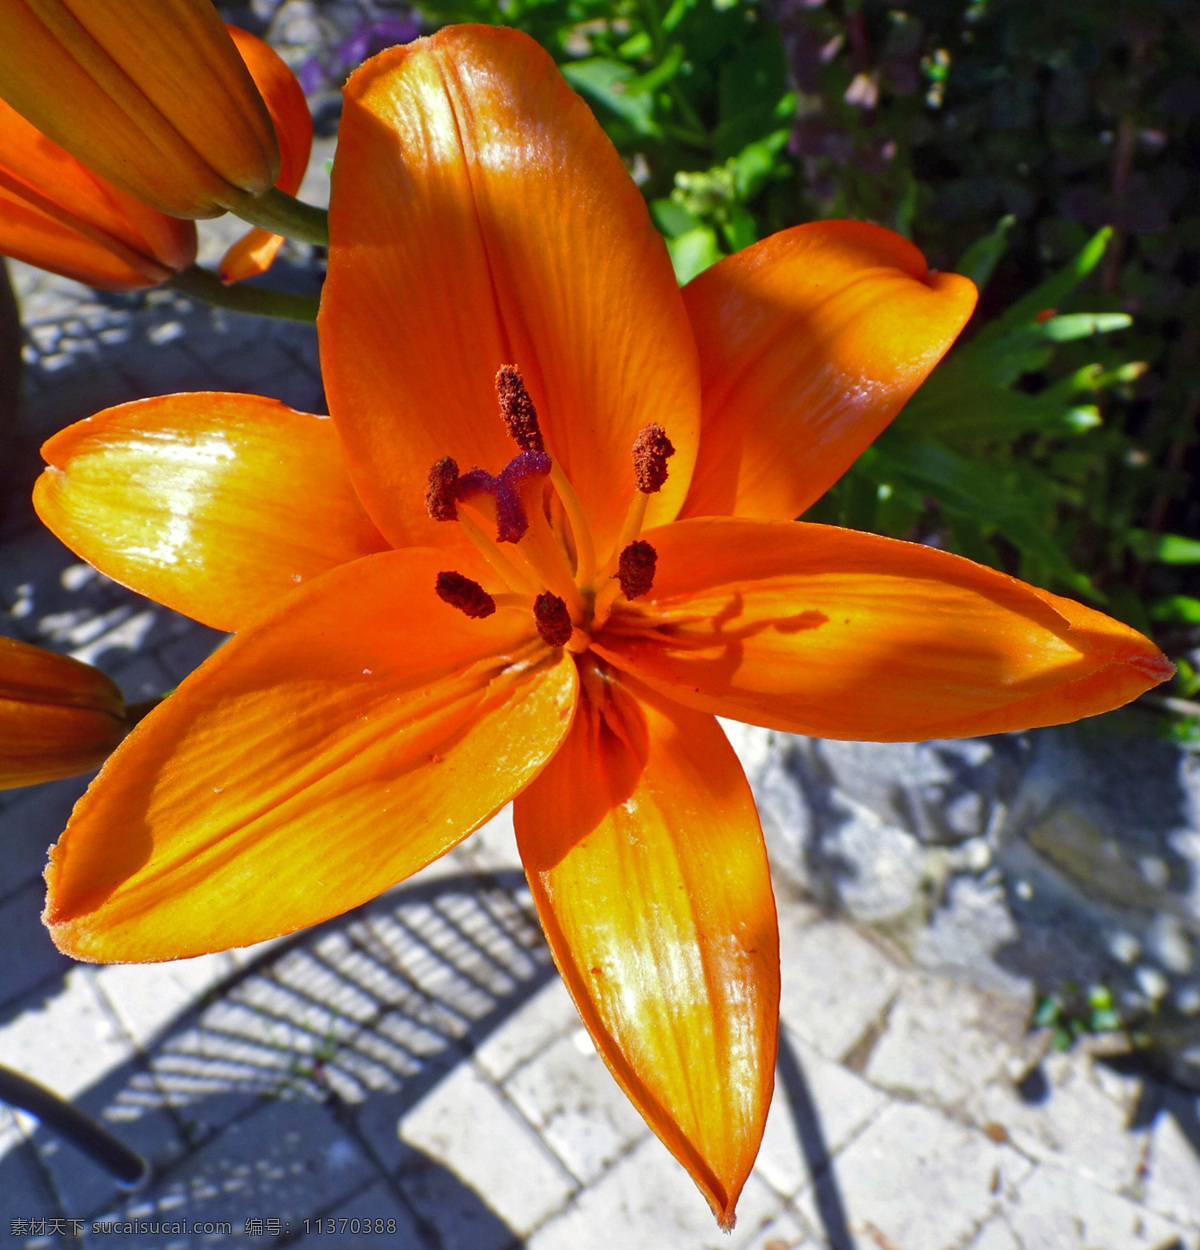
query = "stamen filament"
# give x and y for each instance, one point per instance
(508, 572)
(549, 561)
(522, 602)
(629, 532)
(606, 599)
(585, 548)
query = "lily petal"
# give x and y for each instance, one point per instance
(840, 634)
(57, 717)
(307, 767)
(212, 504)
(58, 215)
(480, 217)
(810, 343)
(254, 252)
(151, 94)
(643, 851)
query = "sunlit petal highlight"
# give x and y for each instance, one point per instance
(643, 850)
(213, 504)
(313, 762)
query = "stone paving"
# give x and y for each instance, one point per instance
(417, 1063)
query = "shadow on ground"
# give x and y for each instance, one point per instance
(277, 1096)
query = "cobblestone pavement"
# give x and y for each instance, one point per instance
(418, 1063)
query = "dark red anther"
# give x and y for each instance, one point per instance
(635, 569)
(553, 619)
(520, 416)
(651, 451)
(464, 594)
(440, 493)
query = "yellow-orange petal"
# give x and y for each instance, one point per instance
(810, 342)
(57, 717)
(831, 632)
(644, 854)
(151, 94)
(480, 217)
(315, 760)
(56, 214)
(253, 253)
(216, 505)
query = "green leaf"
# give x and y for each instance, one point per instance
(659, 76)
(739, 230)
(979, 261)
(1163, 548)
(672, 218)
(693, 253)
(1047, 1012)
(756, 162)
(975, 489)
(604, 81)
(1176, 610)
(1048, 294)
(1082, 325)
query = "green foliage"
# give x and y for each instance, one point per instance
(1073, 1013)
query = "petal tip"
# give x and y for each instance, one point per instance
(1157, 667)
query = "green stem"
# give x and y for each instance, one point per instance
(256, 300)
(284, 214)
(693, 138)
(700, 136)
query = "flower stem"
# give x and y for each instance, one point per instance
(284, 214)
(256, 300)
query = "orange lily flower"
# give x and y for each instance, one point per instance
(254, 252)
(560, 626)
(58, 215)
(57, 717)
(151, 94)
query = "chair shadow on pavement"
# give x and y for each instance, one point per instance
(271, 1105)
(276, 1097)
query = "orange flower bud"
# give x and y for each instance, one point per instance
(151, 94)
(56, 214)
(253, 253)
(57, 717)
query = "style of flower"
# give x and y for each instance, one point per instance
(586, 478)
(151, 94)
(57, 717)
(255, 251)
(58, 214)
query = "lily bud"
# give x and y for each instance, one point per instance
(57, 717)
(58, 215)
(151, 94)
(253, 253)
